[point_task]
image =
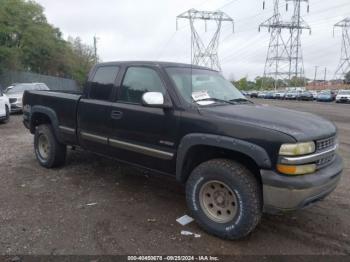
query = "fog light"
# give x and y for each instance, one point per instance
(296, 170)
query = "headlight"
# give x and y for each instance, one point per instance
(297, 149)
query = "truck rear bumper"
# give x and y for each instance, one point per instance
(286, 193)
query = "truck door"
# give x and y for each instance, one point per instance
(142, 135)
(93, 109)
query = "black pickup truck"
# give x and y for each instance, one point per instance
(236, 158)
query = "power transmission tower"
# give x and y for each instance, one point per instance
(201, 53)
(284, 58)
(344, 64)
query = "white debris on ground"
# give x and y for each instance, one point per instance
(188, 233)
(91, 204)
(185, 220)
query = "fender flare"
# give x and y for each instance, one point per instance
(255, 152)
(51, 114)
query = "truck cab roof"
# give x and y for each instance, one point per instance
(154, 63)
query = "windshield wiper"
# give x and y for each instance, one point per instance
(216, 100)
(240, 100)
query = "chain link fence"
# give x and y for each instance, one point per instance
(8, 78)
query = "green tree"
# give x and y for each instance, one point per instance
(245, 85)
(297, 81)
(28, 42)
(265, 83)
(80, 59)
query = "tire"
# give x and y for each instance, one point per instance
(229, 176)
(7, 118)
(49, 152)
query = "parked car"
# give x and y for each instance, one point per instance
(305, 96)
(325, 96)
(269, 95)
(236, 158)
(262, 94)
(279, 95)
(314, 94)
(15, 94)
(244, 93)
(254, 94)
(343, 96)
(5, 108)
(292, 95)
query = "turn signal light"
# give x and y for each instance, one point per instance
(296, 170)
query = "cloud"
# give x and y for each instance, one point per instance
(145, 30)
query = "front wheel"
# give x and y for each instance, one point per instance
(48, 150)
(225, 198)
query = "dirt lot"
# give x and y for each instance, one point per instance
(47, 212)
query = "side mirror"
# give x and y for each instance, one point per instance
(154, 99)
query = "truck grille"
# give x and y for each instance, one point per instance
(325, 161)
(13, 100)
(325, 143)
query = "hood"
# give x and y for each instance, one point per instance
(324, 95)
(302, 126)
(15, 95)
(340, 96)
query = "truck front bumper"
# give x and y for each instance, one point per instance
(288, 193)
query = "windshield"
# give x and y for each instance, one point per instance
(345, 92)
(200, 84)
(21, 88)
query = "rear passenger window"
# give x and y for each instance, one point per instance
(137, 81)
(103, 82)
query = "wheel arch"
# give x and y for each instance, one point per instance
(43, 115)
(197, 148)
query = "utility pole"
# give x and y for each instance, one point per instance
(316, 69)
(325, 76)
(205, 54)
(344, 64)
(284, 58)
(95, 49)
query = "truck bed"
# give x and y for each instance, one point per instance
(62, 103)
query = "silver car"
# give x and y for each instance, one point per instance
(16, 91)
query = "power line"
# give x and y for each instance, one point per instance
(344, 64)
(205, 54)
(284, 58)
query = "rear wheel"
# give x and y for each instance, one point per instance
(225, 198)
(49, 152)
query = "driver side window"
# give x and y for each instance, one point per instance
(138, 81)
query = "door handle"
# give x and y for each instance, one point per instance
(116, 115)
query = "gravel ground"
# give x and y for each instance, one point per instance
(94, 206)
